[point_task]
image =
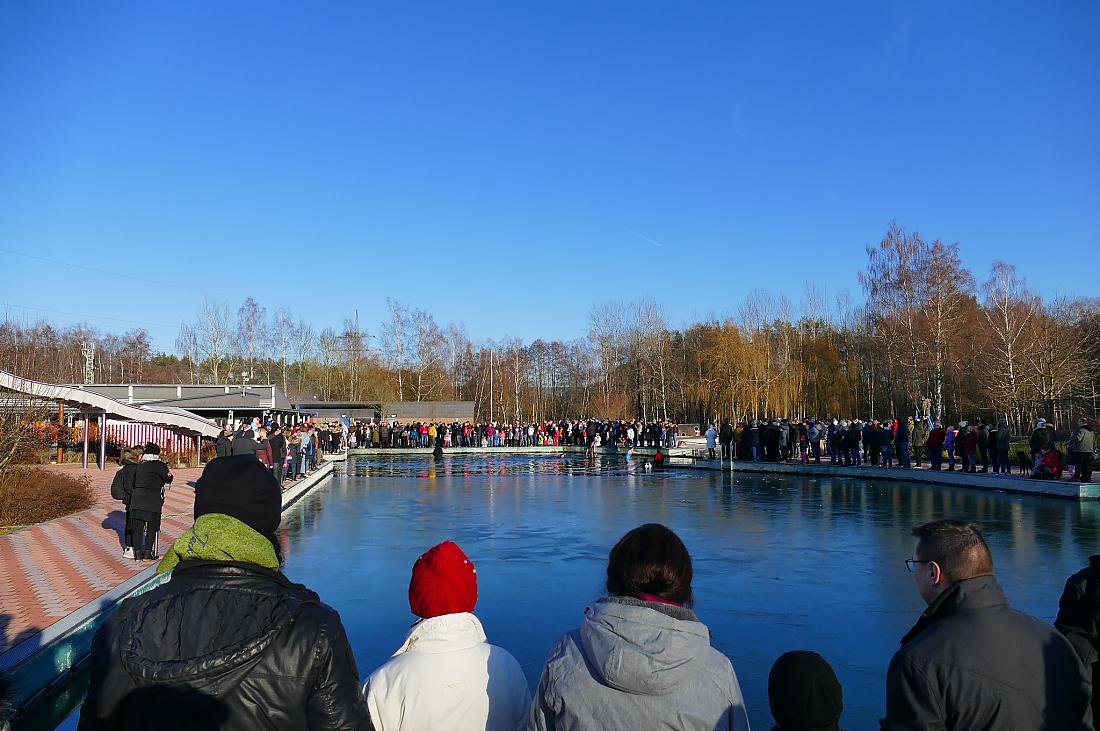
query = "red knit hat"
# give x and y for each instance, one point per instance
(444, 581)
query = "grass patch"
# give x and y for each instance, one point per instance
(30, 496)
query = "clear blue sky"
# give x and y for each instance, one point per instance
(506, 165)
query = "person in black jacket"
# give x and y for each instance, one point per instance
(224, 446)
(228, 642)
(122, 489)
(1079, 620)
(725, 438)
(147, 500)
(278, 452)
(972, 661)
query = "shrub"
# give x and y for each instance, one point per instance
(32, 496)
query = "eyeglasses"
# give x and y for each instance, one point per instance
(911, 564)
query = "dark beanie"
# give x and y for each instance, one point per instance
(804, 693)
(242, 488)
(152, 448)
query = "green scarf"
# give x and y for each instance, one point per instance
(218, 537)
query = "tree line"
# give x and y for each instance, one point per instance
(928, 338)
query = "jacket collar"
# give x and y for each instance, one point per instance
(446, 633)
(238, 568)
(981, 592)
(671, 610)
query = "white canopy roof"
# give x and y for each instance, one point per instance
(166, 416)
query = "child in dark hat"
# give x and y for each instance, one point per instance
(804, 693)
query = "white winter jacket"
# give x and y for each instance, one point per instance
(447, 676)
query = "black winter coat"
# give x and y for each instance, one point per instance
(223, 447)
(223, 645)
(1079, 620)
(122, 486)
(150, 477)
(974, 662)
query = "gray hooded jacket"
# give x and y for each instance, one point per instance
(638, 665)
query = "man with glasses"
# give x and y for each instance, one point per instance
(972, 661)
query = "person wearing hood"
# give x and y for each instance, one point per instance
(641, 658)
(446, 675)
(228, 642)
(1081, 446)
(972, 661)
(804, 693)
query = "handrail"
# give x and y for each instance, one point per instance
(147, 414)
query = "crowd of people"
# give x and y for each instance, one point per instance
(229, 642)
(908, 443)
(561, 433)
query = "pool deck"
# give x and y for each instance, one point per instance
(682, 457)
(65, 576)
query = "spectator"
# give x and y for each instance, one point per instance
(224, 446)
(641, 659)
(278, 446)
(1004, 443)
(804, 693)
(1039, 437)
(1081, 446)
(228, 642)
(711, 436)
(920, 440)
(983, 444)
(901, 440)
(936, 439)
(446, 675)
(1079, 620)
(151, 478)
(725, 437)
(1049, 464)
(971, 661)
(122, 489)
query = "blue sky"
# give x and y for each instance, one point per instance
(506, 165)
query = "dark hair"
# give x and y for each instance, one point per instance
(650, 559)
(959, 548)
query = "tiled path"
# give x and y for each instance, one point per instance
(49, 570)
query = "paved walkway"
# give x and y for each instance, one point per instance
(52, 569)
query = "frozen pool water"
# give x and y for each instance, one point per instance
(781, 563)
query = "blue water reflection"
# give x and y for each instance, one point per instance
(781, 563)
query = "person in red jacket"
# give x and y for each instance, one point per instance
(934, 445)
(1048, 465)
(970, 448)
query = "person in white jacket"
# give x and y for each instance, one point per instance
(446, 675)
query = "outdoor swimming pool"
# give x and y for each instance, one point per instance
(780, 563)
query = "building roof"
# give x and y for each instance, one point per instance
(196, 397)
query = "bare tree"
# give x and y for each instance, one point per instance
(1009, 310)
(395, 334)
(251, 334)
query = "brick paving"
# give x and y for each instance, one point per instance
(50, 570)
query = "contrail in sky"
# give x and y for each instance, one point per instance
(646, 238)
